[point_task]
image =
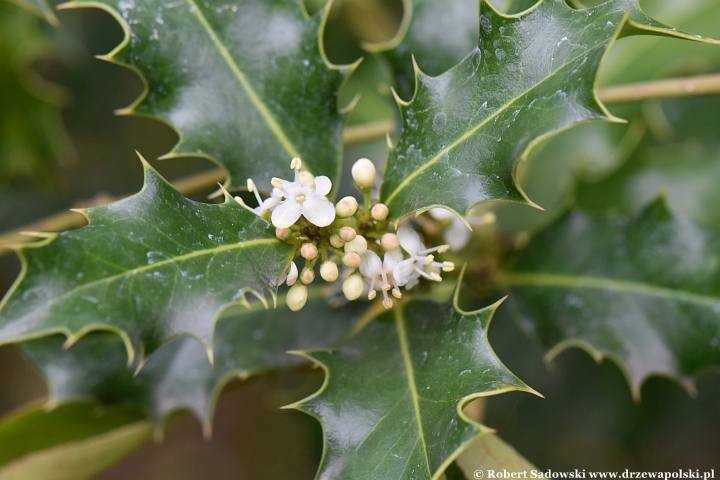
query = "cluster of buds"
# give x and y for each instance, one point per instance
(373, 255)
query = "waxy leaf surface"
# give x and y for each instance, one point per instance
(532, 75)
(76, 441)
(150, 267)
(179, 376)
(644, 291)
(391, 405)
(244, 83)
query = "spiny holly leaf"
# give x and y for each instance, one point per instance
(78, 440)
(643, 291)
(437, 33)
(40, 8)
(32, 137)
(686, 166)
(532, 75)
(178, 376)
(490, 452)
(391, 404)
(245, 84)
(150, 268)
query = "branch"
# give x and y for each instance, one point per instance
(659, 89)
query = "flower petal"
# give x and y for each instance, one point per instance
(402, 273)
(286, 214)
(318, 211)
(370, 265)
(391, 260)
(322, 185)
(458, 235)
(410, 240)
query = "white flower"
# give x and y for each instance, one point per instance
(411, 243)
(306, 199)
(393, 271)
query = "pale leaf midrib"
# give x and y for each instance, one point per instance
(473, 130)
(152, 266)
(600, 283)
(254, 98)
(407, 360)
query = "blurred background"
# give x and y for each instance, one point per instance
(62, 146)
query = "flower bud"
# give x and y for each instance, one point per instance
(363, 172)
(346, 207)
(329, 271)
(379, 212)
(351, 259)
(307, 275)
(282, 233)
(308, 251)
(296, 297)
(336, 241)
(358, 244)
(347, 234)
(293, 274)
(353, 287)
(389, 241)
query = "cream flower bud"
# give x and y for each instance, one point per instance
(296, 297)
(307, 275)
(363, 172)
(336, 241)
(329, 271)
(348, 234)
(351, 260)
(308, 251)
(346, 207)
(293, 274)
(353, 287)
(390, 241)
(379, 212)
(358, 244)
(282, 233)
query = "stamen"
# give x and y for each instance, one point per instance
(423, 273)
(396, 292)
(300, 198)
(429, 259)
(296, 163)
(448, 266)
(372, 294)
(276, 182)
(252, 188)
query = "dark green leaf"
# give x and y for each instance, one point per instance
(532, 75)
(643, 291)
(32, 138)
(391, 404)
(75, 441)
(150, 267)
(179, 376)
(686, 167)
(245, 84)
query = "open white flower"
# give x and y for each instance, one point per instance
(410, 242)
(392, 273)
(306, 199)
(457, 235)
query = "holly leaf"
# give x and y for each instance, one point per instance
(490, 452)
(643, 291)
(41, 8)
(149, 268)
(685, 166)
(532, 75)
(32, 138)
(244, 84)
(79, 440)
(178, 377)
(415, 368)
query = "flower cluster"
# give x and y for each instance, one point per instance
(373, 255)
